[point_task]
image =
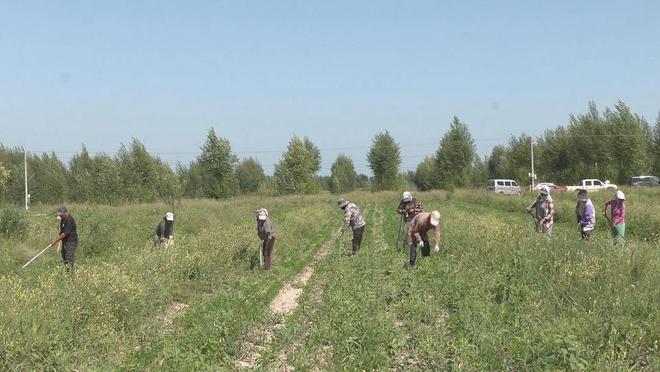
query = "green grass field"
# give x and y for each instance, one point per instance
(498, 296)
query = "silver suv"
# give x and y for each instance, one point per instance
(502, 186)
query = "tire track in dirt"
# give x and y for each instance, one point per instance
(285, 302)
(324, 353)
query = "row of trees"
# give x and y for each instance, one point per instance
(615, 145)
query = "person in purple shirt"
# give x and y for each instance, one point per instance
(586, 215)
(618, 221)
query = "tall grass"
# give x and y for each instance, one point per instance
(498, 296)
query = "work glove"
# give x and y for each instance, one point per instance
(421, 244)
(437, 248)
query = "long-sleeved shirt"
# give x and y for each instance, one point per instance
(353, 217)
(618, 210)
(588, 218)
(421, 225)
(265, 229)
(165, 229)
(549, 211)
(410, 209)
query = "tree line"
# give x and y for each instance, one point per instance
(615, 145)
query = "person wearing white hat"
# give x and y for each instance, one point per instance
(165, 231)
(266, 232)
(408, 208)
(544, 208)
(353, 218)
(418, 234)
(618, 216)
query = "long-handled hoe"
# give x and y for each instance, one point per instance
(35, 257)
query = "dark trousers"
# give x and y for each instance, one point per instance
(268, 252)
(68, 253)
(357, 238)
(426, 249)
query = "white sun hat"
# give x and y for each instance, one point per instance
(435, 218)
(262, 214)
(620, 195)
(407, 196)
(169, 216)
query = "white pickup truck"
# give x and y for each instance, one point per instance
(593, 185)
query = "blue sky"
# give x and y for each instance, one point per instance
(74, 72)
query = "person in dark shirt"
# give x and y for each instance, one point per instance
(68, 236)
(266, 233)
(165, 231)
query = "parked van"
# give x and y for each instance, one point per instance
(503, 187)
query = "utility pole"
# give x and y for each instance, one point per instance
(533, 175)
(27, 196)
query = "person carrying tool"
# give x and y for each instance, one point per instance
(165, 231)
(352, 218)
(68, 236)
(418, 234)
(618, 220)
(586, 215)
(544, 211)
(266, 232)
(408, 208)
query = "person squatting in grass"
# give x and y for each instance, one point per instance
(353, 218)
(418, 234)
(544, 208)
(266, 232)
(618, 220)
(68, 236)
(408, 208)
(164, 236)
(586, 215)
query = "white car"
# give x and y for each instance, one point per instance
(593, 185)
(551, 186)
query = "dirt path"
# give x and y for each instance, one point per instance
(282, 305)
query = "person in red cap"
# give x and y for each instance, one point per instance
(266, 232)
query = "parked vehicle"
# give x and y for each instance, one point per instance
(644, 181)
(593, 185)
(550, 186)
(501, 186)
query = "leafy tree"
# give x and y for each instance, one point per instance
(217, 164)
(496, 162)
(519, 158)
(145, 178)
(630, 143)
(48, 179)
(107, 186)
(384, 160)
(4, 177)
(190, 180)
(656, 146)
(342, 175)
(81, 181)
(250, 175)
(456, 156)
(296, 171)
(480, 173)
(362, 181)
(426, 174)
